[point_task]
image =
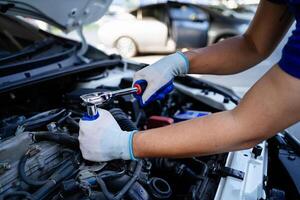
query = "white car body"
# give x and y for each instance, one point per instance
(138, 30)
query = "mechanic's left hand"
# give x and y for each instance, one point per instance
(102, 139)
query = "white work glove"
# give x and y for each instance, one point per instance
(102, 139)
(159, 76)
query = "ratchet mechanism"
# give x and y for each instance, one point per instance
(92, 100)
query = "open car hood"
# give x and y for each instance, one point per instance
(64, 14)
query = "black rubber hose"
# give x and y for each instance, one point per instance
(23, 194)
(111, 174)
(59, 138)
(204, 166)
(125, 189)
(55, 179)
(177, 167)
(73, 122)
(96, 196)
(138, 192)
(24, 177)
(124, 122)
(68, 119)
(116, 184)
(62, 119)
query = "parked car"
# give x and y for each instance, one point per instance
(168, 26)
(42, 77)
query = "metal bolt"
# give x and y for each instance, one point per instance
(73, 12)
(226, 100)
(52, 127)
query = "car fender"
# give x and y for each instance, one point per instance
(214, 34)
(137, 30)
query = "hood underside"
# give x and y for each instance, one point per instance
(64, 14)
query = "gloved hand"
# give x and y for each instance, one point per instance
(102, 139)
(159, 77)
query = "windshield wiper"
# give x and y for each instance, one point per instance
(31, 49)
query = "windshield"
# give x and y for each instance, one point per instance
(15, 35)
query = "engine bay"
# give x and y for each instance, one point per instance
(47, 163)
(42, 129)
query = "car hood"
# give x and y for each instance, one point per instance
(64, 14)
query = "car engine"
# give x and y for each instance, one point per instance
(39, 150)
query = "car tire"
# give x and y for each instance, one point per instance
(126, 47)
(221, 38)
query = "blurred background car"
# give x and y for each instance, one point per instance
(165, 27)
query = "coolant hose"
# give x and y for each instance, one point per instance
(24, 177)
(124, 122)
(176, 167)
(67, 169)
(126, 187)
(138, 192)
(59, 138)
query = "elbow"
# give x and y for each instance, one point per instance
(265, 53)
(252, 140)
(260, 51)
(250, 143)
(246, 136)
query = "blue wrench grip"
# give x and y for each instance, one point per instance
(158, 95)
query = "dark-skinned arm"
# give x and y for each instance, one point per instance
(270, 106)
(239, 53)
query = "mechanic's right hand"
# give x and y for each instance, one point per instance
(159, 77)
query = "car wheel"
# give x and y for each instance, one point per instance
(223, 38)
(126, 47)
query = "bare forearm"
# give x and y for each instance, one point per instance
(227, 57)
(239, 53)
(209, 135)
